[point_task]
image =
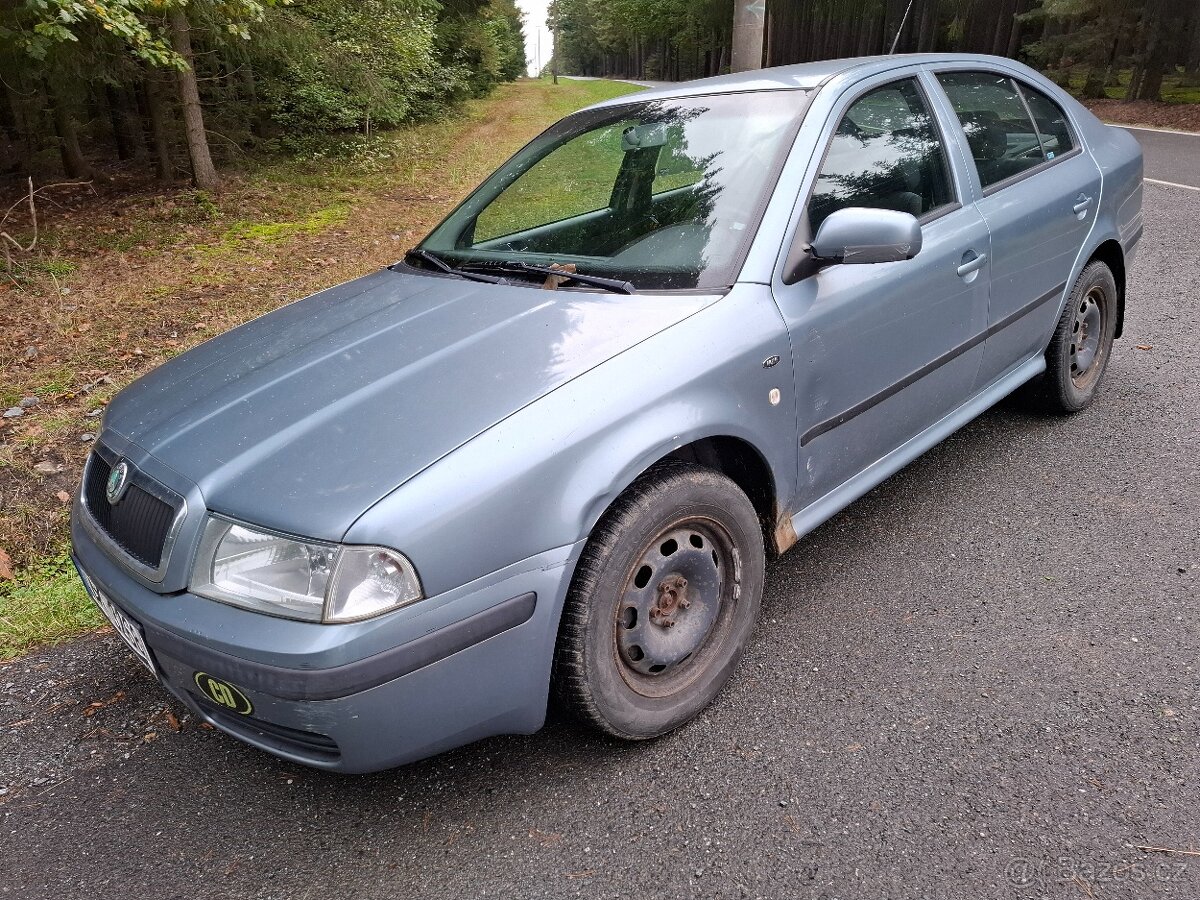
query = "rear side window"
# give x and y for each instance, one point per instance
(996, 119)
(1051, 122)
(885, 154)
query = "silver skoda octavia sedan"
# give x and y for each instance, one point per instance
(551, 449)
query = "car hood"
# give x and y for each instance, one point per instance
(304, 418)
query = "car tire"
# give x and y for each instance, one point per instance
(1082, 343)
(662, 604)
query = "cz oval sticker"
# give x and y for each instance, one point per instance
(223, 694)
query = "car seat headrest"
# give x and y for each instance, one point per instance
(985, 135)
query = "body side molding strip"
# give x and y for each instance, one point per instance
(949, 356)
(840, 497)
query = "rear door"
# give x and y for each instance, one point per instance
(882, 351)
(1038, 192)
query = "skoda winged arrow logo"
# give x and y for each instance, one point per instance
(118, 480)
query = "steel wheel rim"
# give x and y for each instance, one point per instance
(663, 630)
(1087, 337)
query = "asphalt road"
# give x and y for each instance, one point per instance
(980, 681)
(1170, 156)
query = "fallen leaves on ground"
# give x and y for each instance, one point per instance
(92, 708)
(1180, 116)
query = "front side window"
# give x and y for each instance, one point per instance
(885, 154)
(663, 194)
(1003, 139)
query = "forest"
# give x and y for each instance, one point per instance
(181, 87)
(1130, 45)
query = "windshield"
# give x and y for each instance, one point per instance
(663, 194)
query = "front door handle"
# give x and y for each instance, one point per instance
(1082, 203)
(971, 262)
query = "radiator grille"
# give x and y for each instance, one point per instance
(138, 523)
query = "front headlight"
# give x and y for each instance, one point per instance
(309, 580)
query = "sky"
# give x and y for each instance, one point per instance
(535, 25)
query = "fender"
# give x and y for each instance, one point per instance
(545, 475)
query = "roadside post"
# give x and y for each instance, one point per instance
(749, 24)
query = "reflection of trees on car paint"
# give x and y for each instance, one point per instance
(885, 154)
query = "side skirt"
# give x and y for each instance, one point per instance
(840, 497)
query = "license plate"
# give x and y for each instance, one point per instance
(128, 629)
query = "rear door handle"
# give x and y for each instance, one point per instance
(971, 262)
(1082, 203)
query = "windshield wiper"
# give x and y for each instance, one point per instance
(441, 265)
(612, 284)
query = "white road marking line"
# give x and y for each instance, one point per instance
(1186, 187)
(1147, 128)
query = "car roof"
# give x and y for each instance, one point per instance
(803, 76)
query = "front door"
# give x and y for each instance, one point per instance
(882, 351)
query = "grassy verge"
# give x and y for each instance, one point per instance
(47, 604)
(1178, 109)
(127, 275)
(1174, 88)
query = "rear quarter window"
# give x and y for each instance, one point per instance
(1051, 122)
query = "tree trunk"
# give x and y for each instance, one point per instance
(9, 159)
(120, 139)
(10, 136)
(24, 129)
(1108, 73)
(1006, 9)
(1014, 36)
(554, 54)
(68, 139)
(1093, 86)
(848, 36)
(1191, 68)
(204, 173)
(1135, 81)
(1150, 87)
(928, 29)
(893, 10)
(1160, 20)
(1152, 78)
(259, 126)
(127, 132)
(156, 114)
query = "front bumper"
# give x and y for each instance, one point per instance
(360, 697)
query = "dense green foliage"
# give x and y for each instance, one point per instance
(89, 81)
(661, 39)
(677, 39)
(1151, 38)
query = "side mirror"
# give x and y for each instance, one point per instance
(859, 235)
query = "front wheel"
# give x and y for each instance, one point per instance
(662, 604)
(1082, 343)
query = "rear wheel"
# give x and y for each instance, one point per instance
(662, 603)
(1082, 344)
